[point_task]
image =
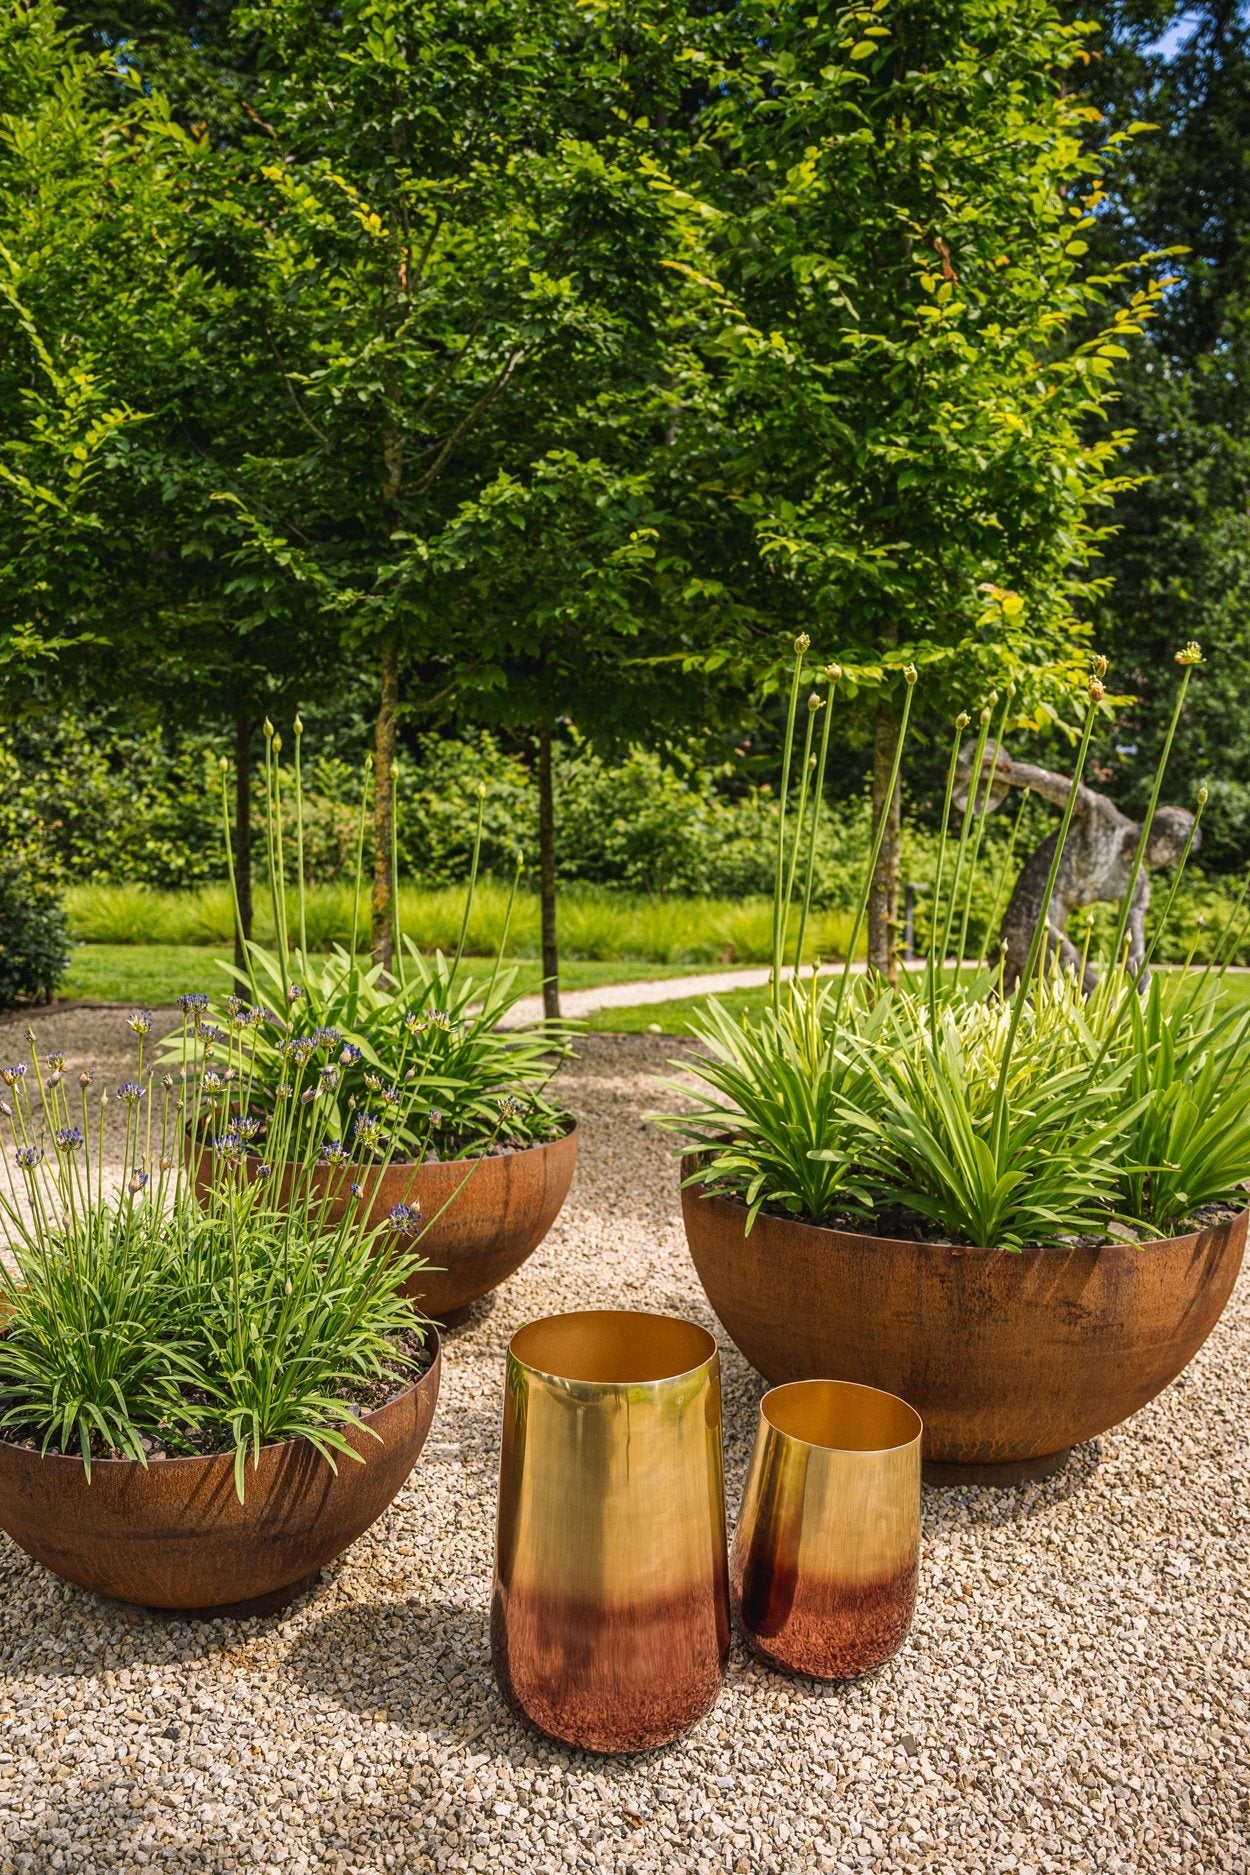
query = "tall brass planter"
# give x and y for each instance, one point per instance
(827, 1547)
(610, 1618)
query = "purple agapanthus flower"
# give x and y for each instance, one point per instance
(192, 999)
(404, 1217)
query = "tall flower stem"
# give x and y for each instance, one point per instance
(832, 674)
(360, 853)
(861, 910)
(469, 895)
(1187, 658)
(299, 837)
(780, 904)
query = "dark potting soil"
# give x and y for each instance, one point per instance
(412, 1357)
(899, 1223)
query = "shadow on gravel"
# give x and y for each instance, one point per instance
(948, 1507)
(426, 1664)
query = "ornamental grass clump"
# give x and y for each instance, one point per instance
(159, 1303)
(482, 1088)
(953, 1106)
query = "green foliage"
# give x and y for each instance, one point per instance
(150, 1318)
(1004, 1117)
(890, 283)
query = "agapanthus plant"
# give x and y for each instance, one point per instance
(953, 1105)
(159, 1303)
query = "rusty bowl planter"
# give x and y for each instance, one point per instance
(1010, 1357)
(175, 1536)
(504, 1211)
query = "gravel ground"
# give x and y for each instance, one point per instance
(1073, 1695)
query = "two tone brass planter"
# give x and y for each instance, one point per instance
(610, 1617)
(825, 1556)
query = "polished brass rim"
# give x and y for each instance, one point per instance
(835, 1415)
(601, 1348)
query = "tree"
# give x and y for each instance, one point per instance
(437, 219)
(896, 254)
(1179, 562)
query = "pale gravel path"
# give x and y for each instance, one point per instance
(1073, 1695)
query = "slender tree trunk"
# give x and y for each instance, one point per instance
(383, 764)
(547, 875)
(883, 895)
(243, 831)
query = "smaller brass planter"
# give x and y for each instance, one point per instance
(825, 1556)
(610, 1618)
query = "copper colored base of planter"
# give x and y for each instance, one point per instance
(1015, 1471)
(869, 1626)
(607, 1680)
(175, 1536)
(1009, 1357)
(500, 1211)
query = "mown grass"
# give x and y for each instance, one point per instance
(595, 925)
(674, 1018)
(154, 974)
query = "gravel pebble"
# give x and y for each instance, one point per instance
(1073, 1695)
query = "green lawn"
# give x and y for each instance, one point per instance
(674, 1018)
(152, 974)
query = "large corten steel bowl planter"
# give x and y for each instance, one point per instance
(505, 1209)
(500, 1211)
(1010, 1357)
(175, 1536)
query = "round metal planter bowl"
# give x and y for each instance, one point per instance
(500, 1210)
(1010, 1357)
(173, 1535)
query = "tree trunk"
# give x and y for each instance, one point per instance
(547, 875)
(243, 831)
(883, 894)
(383, 764)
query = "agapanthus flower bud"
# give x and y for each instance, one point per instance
(294, 993)
(68, 1138)
(1100, 666)
(136, 1182)
(1203, 795)
(333, 1153)
(299, 724)
(13, 1074)
(268, 727)
(6, 1109)
(910, 673)
(55, 1060)
(191, 1000)
(1097, 690)
(832, 673)
(349, 1055)
(1192, 654)
(962, 720)
(985, 714)
(140, 1021)
(262, 1171)
(404, 1217)
(131, 1092)
(86, 1077)
(802, 643)
(28, 1157)
(814, 703)
(277, 745)
(223, 765)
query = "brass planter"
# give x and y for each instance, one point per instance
(825, 1556)
(610, 1617)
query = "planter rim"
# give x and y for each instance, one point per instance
(841, 1451)
(941, 1247)
(216, 1458)
(540, 1145)
(600, 1387)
